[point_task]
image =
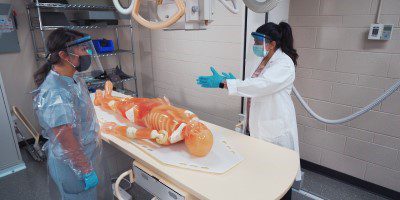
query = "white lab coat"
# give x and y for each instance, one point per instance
(272, 113)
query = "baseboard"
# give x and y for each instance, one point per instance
(374, 188)
(13, 169)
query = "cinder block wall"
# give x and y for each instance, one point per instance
(339, 72)
(17, 68)
(173, 60)
(168, 63)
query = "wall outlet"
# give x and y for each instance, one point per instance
(380, 31)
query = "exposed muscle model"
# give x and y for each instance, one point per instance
(161, 122)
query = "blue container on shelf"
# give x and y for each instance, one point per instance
(103, 46)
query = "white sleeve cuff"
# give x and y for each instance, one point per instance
(232, 86)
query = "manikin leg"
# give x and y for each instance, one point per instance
(108, 88)
(98, 97)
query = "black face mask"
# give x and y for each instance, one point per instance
(84, 63)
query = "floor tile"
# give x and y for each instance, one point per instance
(311, 182)
(298, 196)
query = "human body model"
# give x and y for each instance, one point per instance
(161, 122)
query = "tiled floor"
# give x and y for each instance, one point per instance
(328, 188)
(31, 184)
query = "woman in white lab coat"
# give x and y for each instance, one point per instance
(272, 115)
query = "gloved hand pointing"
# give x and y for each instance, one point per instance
(214, 80)
(211, 81)
(228, 76)
(90, 180)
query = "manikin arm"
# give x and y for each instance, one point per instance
(161, 137)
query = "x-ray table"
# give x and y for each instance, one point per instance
(266, 172)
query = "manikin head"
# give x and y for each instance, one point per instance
(198, 139)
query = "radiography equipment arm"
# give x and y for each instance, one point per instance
(233, 9)
(122, 10)
(159, 25)
(274, 79)
(72, 149)
(204, 6)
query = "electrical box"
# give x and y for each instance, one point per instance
(8, 29)
(198, 14)
(380, 31)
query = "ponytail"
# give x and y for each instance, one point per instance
(287, 42)
(282, 35)
(41, 73)
(56, 42)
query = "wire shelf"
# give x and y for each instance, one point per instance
(99, 84)
(34, 15)
(42, 54)
(49, 28)
(127, 92)
(102, 82)
(114, 53)
(71, 6)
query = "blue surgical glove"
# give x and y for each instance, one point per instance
(91, 180)
(228, 76)
(211, 81)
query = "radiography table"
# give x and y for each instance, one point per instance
(267, 171)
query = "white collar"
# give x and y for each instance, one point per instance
(276, 55)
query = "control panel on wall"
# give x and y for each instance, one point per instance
(380, 31)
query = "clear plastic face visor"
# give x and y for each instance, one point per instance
(260, 39)
(260, 44)
(90, 62)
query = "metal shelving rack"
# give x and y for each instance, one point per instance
(36, 26)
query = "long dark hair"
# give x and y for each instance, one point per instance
(56, 42)
(282, 35)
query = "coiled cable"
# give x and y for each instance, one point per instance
(367, 108)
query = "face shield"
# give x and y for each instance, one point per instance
(260, 44)
(84, 58)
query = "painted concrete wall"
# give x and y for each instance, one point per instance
(174, 59)
(17, 68)
(339, 72)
